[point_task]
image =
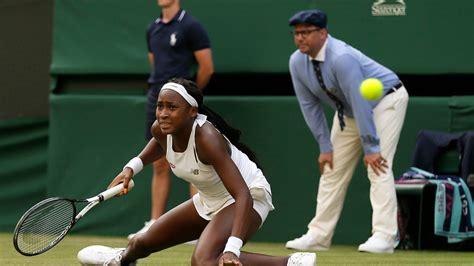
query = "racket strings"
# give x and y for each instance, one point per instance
(44, 226)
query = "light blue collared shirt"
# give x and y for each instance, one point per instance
(343, 69)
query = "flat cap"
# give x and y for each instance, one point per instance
(314, 17)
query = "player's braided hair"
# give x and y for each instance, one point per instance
(233, 134)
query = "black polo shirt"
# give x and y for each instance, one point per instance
(173, 45)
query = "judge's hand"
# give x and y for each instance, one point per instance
(376, 162)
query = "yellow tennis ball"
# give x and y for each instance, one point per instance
(371, 89)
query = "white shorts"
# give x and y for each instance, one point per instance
(262, 204)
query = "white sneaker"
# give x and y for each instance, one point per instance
(100, 255)
(376, 244)
(143, 230)
(305, 242)
(302, 259)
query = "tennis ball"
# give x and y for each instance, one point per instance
(371, 89)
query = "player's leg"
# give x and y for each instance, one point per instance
(332, 188)
(177, 226)
(382, 190)
(214, 237)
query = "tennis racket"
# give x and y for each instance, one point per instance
(45, 224)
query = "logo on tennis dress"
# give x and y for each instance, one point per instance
(195, 171)
(173, 39)
(381, 8)
(172, 165)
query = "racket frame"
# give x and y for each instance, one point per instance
(93, 201)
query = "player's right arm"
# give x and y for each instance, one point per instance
(155, 148)
(153, 151)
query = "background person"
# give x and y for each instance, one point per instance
(327, 70)
(176, 41)
(233, 199)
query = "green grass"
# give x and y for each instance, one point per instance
(65, 254)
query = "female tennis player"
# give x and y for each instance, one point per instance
(233, 198)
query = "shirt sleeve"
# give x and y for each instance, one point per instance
(312, 110)
(349, 75)
(198, 38)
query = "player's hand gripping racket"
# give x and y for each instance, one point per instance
(45, 224)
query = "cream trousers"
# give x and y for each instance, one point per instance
(389, 115)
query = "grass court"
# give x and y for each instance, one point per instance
(65, 254)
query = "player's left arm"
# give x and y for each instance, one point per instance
(205, 67)
(214, 150)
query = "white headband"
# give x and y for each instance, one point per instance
(182, 91)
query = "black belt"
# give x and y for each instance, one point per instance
(394, 88)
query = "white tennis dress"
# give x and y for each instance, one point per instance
(212, 195)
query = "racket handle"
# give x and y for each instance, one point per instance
(109, 193)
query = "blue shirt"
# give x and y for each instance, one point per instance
(343, 70)
(173, 45)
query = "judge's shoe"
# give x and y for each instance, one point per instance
(143, 230)
(302, 259)
(305, 242)
(376, 244)
(100, 255)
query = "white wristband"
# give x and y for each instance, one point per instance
(135, 164)
(233, 245)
